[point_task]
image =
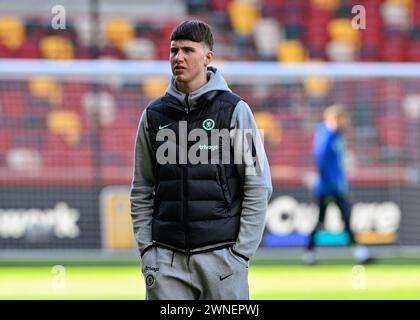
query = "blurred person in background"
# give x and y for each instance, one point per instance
(333, 184)
(197, 225)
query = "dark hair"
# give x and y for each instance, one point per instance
(193, 30)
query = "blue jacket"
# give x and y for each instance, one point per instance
(328, 151)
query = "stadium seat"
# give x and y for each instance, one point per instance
(12, 102)
(316, 52)
(12, 32)
(413, 51)
(293, 30)
(85, 52)
(341, 30)
(411, 106)
(220, 21)
(5, 140)
(219, 5)
(311, 22)
(24, 159)
(330, 5)
(27, 137)
(196, 7)
(66, 123)
(369, 53)
(155, 87)
(101, 103)
(409, 4)
(35, 27)
(57, 151)
(293, 147)
(267, 33)
(129, 99)
(272, 128)
(373, 35)
(82, 157)
(415, 32)
(56, 47)
(392, 134)
(119, 32)
(141, 49)
(395, 15)
(73, 93)
(341, 51)
(316, 85)
(163, 47)
(118, 139)
(48, 88)
(111, 53)
(5, 52)
(273, 11)
(394, 50)
(28, 50)
(416, 15)
(290, 51)
(83, 28)
(243, 17)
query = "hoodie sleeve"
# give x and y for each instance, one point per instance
(141, 192)
(255, 172)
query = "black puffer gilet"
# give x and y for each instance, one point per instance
(195, 205)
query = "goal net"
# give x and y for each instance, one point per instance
(68, 129)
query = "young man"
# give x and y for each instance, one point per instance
(197, 224)
(333, 184)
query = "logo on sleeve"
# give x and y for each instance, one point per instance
(150, 280)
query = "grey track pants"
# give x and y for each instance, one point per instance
(214, 275)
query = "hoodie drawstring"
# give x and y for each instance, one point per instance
(173, 255)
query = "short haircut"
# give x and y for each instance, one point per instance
(194, 30)
(335, 110)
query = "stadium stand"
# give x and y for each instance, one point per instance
(331, 31)
(61, 112)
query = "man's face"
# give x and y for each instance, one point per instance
(342, 122)
(188, 59)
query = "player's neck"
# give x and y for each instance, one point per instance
(331, 126)
(193, 85)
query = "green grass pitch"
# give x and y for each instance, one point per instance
(281, 281)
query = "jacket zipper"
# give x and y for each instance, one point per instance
(184, 172)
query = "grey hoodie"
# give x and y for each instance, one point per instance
(257, 187)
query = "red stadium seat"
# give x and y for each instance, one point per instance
(219, 5)
(391, 130)
(413, 51)
(13, 101)
(5, 140)
(110, 52)
(5, 52)
(85, 52)
(394, 50)
(29, 50)
(369, 53)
